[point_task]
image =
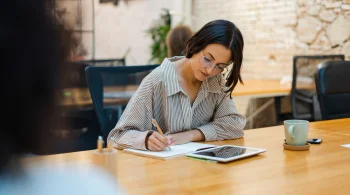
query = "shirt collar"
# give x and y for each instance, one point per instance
(172, 85)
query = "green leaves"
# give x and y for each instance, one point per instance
(158, 32)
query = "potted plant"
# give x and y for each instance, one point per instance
(158, 32)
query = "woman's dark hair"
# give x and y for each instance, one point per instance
(222, 32)
(176, 40)
(39, 45)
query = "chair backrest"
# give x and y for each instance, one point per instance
(303, 84)
(333, 89)
(111, 88)
(106, 62)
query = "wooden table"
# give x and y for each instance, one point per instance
(80, 97)
(262, 89)
(324, 169)
(266, 88)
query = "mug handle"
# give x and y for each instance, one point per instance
(290, 131)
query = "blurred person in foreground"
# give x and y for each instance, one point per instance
(176, 40)
(40, 45)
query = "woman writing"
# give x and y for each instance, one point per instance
(188, 96)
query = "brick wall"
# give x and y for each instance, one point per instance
(274, 30)
(323, 27)
(270, 31)
(266, 27)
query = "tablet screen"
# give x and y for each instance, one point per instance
(225, 152)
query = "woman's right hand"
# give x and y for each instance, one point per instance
(157, 142)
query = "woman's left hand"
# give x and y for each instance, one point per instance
(178, 138)
(185, 137)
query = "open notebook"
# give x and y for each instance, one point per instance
(178, 150)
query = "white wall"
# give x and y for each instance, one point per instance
(121, 27)
(181, 13)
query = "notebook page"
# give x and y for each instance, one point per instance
(175, 150)
(192, 146)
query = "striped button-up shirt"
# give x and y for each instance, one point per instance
(160, 97)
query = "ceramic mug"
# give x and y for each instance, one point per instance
(296, 132)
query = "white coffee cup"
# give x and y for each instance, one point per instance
(296, 132)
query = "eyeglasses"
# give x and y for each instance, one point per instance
(218, 68)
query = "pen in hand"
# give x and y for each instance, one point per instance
(154, 122)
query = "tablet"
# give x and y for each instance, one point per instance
(226, 153)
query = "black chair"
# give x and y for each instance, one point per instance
(105, 62)
(304, 100)
(111, 88)
(74, 128)
(333, 89)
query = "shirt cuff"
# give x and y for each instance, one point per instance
(139, 141)
(209, 132)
